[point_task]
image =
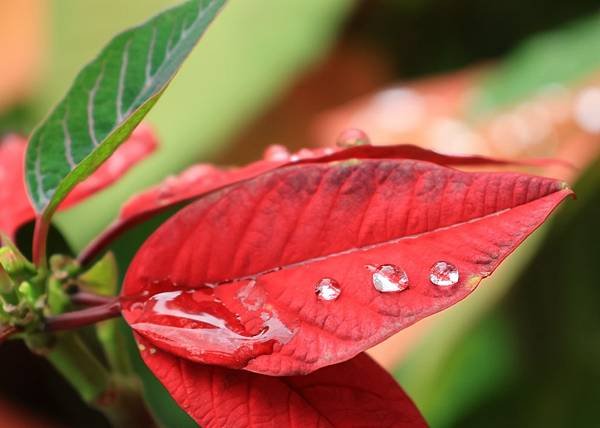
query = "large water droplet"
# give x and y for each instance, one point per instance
(328, 289)
(203, 327)
(390, 279)
(352, 137)
(443, 274)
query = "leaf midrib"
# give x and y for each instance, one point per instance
(368, 247)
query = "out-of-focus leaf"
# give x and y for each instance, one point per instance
(560, 57)
(102, 277)
(22, 43)
(478, 366)
(16, 206)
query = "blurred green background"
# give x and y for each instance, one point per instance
(524, 350)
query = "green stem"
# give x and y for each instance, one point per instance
(118, 397)
(113, 343)
(79, 366)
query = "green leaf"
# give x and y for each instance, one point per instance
(103, 276)
(109, 97)
(560, 57)
(194, 128)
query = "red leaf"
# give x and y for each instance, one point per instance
(203, 178)
(356, 393)
(230, 279)
(16, 208)
(193, 182)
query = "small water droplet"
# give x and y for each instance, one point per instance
(389, 279)
(141, 347)
(443, 274)
(152, 351)
(328, 289)
(353, 137)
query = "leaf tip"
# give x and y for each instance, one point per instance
(473, 281)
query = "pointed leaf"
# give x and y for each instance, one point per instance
(16, 207)
(352, 394)
(203, 178)
(231, 278)
(109, 97)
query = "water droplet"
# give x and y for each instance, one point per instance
(389, 279)
(152, 351)
(196, 322)
(443, 274)
(353, 137)
(328, 289)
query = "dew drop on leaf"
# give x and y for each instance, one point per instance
(328, 289)
(390, 279)
(206, 328)
(443, 274)
(352, 137)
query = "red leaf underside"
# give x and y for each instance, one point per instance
(16, 208)
(204, 178)
(356, 393)
(230, 279)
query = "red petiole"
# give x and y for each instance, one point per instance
(84, 317)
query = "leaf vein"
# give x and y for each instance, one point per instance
(121, 85)
(68, 142)
(90, 106)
